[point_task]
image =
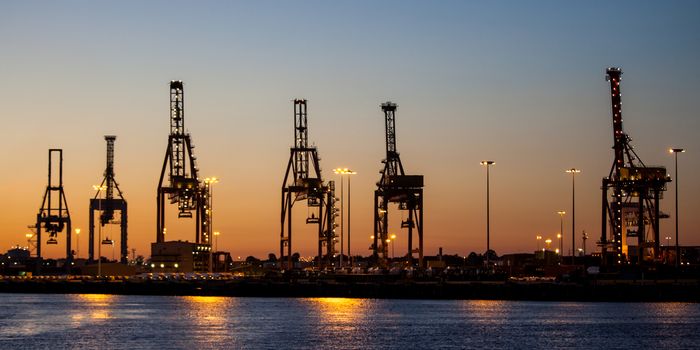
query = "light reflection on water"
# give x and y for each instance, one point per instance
(209, 315)
(91, 306)
(485, 312)
(338, 311)
(163, 322)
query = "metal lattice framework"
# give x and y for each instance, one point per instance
(207, 209)
(184, 187)
(53, 216)
(397, 187)
(305, 183)
(329, 237)
(107, 206)
(630, 195)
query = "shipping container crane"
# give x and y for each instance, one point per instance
(303, 182)
(396, 187)
(630, 195)
(183, 187)
(53, 216)
(107, 206)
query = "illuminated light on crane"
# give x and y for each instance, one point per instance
(632, 211)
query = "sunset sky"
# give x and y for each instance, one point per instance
(520, 83)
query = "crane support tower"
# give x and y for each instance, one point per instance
(329, 237)
(53, 216)
(630, 196)
(207, 208)
(107, 205)
(396, 187)
(183, 187)
(303, 182)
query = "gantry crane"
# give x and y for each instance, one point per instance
(305, 183)
(107, 205)
(183, 187)
(396, 187)
(53, 216)
(632, 209)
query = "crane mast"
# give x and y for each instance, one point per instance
(393, 162)
(109, 183)
(301, 141)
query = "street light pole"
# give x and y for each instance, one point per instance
(561, 247)
(99, 190)
(675, 152)
(209, 204)
(29, 242)
(349, 172)
(77, 238)
(573, 172)
(341, 172)
(488, 164)
(388, 240)
(99, 248)
(561, 234)
(342, 222)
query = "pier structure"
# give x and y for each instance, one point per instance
(406, 191)
(631, 195)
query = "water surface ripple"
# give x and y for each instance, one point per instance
(84, 321)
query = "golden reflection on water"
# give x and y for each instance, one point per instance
(207, 308)
(95, 298)
(486, 312)
(339, 311)
(209, 315)
(205, 300)
(96, 307)
(668, 312)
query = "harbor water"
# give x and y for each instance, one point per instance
(96, 321)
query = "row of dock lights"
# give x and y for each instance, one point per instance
(390, 240)
(560, 250)
(487, 163)
(548, 242)
(675, 152)
(162, 265)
